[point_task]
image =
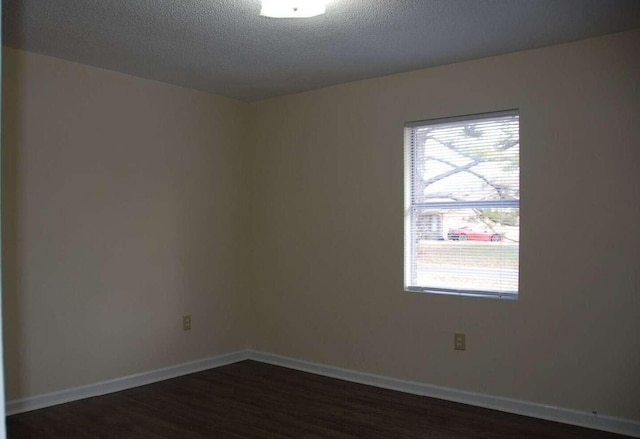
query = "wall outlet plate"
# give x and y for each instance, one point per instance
(186, 322)
(459, 341)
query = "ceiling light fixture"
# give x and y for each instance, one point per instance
(292, 8)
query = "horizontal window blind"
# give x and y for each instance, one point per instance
(462, 232)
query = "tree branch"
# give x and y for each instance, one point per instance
(450, 172)
(500, 189)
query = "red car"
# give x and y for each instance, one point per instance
(472, 234)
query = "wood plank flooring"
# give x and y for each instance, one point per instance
(256, 400)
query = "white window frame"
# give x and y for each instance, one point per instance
(410, 261)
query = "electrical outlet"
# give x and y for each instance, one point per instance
(459, 341)
(186, 322)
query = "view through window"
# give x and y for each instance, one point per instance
(462, 213)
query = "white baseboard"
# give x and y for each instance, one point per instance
(118, 384)
(535, 410)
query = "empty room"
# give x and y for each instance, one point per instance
(320, 219)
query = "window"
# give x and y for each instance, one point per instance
(462, 209)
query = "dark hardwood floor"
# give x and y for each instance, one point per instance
(256, 400)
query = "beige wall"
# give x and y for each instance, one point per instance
(123, 210)
(329, 234)
(129, 202)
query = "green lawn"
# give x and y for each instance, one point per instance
(471, 254)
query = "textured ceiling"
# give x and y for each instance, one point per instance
(225, 47)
